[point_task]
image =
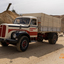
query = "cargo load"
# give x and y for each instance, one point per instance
(47, 23)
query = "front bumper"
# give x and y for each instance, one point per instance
(10, 41)
(1, 39)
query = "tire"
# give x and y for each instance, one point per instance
(23, 44)
(53, 39)
(4, 44)
(57, 37)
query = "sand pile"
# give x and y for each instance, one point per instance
(7, 17)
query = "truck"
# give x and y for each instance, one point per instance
(28, 28)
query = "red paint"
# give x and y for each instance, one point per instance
(30, 33)
(11, 30)
(31, 29)
(42, 35)
(33, 33)
(0, 30)
(7, 43)
(3, 31)
(33, 38)
(39, 22)
(24, 43)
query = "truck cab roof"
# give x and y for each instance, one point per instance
(27, 17)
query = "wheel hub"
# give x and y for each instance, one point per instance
(24, 44)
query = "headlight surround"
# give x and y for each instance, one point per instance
(14, 35)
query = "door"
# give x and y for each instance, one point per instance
(33, 28)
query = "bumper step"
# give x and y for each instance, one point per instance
(11, 41)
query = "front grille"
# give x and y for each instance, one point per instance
(2, 30)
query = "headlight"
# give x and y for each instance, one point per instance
(14, 35)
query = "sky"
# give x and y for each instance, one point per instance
(51, 7)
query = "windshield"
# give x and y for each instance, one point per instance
(22, 21)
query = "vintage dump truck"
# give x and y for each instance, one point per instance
(30, 27)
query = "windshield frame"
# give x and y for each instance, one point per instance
(23, 18)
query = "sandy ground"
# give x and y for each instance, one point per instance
(37, 53)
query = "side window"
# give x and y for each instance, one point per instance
(33, 22)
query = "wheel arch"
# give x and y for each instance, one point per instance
(50, 34)
(24, 34)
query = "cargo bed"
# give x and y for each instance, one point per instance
(47, 23)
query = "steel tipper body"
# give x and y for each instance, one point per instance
(26, 29)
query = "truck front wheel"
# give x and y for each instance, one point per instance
(53, 39)
(4, 44)
(23, 43)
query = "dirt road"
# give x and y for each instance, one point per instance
(37, 53)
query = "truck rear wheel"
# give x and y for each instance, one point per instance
(23, 43)
(4, 44)
(53, 39)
